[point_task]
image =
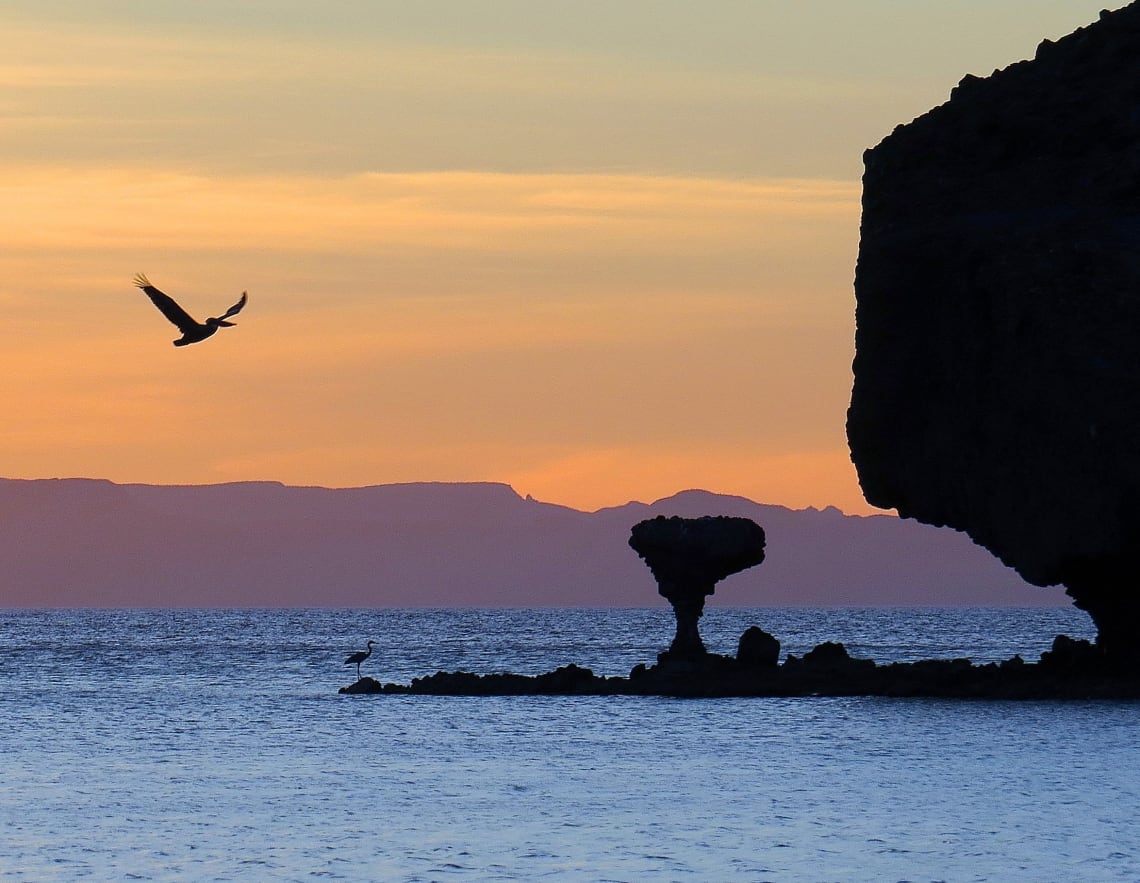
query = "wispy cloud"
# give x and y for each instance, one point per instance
(130, 208)
(254, 101)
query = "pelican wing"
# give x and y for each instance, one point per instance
(236, 308)
(166, 305)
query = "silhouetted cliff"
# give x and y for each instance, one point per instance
(84, 542)
(997, 385)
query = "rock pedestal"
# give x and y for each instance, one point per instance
(688, 557)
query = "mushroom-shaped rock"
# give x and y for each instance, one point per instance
(997, 386)
(688, 557)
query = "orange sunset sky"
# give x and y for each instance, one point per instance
(601, 251)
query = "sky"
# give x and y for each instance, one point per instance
(602, 251)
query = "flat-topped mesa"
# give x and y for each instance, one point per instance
(997, 382)
(688, 557)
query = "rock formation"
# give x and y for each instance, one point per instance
(758, 649)
(997, 381)
(1072, 670)
(688, 557)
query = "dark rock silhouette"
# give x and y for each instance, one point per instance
(758, 649)
(1071, 670)
(1071, 655)
(688, 557)
(997, 387)
(830, 656)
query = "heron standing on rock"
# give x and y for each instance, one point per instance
(359, 657)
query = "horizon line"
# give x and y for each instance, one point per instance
(526, 497)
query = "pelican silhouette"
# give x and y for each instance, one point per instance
(359, 657)
(192, 330)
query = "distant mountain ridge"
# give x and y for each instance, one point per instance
(90, 542)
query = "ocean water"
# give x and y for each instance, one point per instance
(212, 745)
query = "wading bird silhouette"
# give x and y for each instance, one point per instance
(359, 657)
(192, 330)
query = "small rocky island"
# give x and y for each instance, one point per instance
(688, 556)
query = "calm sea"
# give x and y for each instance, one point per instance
(212, 745)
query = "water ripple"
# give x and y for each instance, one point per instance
(209, 745)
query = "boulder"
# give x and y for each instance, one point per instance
(758, 649)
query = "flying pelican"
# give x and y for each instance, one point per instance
(192, 330)
(359, 657)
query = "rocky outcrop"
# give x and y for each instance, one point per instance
(997, 385)
(1071, 670)
(688, 557)
(758, 649)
